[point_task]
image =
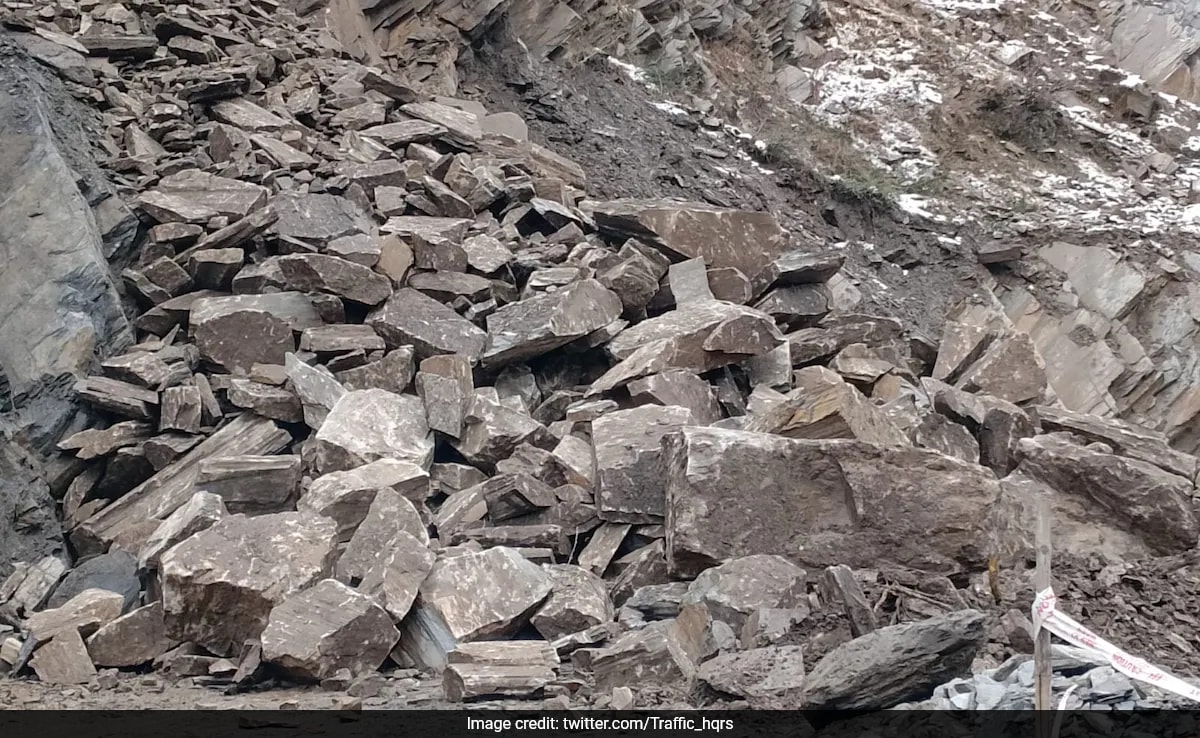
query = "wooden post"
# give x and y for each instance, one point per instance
(1042, 671)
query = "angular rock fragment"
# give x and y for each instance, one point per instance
(651, 655)
(119, 398)
(733, 590)
(390, 513)
(347, 496)
(393, 372)
(193, 196)
(198, 513)
(825, 406)
(318, 389)
(94, 443)
(819, 502)
(631, 487)
(838, 586)
(220, 585)
(801, 267)
(1126, 439)
(578, 601)
(493, 430)
(395, 576)
(472, 596)
(445, 385)
(409, 317)
(771, 673)
(85, 613)
(796, 307)
(181, 409)
(599, 552)
(900, 663)
(744, 240)
(366, 425)
(329, 626)
(532, 327)
(133, 639)
(64, 660)
(335, 339)
(465, 682)
(115, 571)
(253, 485)
(324, 273)
(266, 400)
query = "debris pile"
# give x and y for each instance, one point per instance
(401, 395)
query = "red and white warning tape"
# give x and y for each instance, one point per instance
(1046, 615)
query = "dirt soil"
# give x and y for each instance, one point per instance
(631, 144)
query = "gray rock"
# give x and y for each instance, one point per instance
(896, 664)
(410, 317)
(317, 388)
(680, 388)
(133, 639)
(397, 572)
(324, 273)
(198, 513)
(735, 589)
(390, 513)
(318, 219)
(116, 571)
(347, 496)
(761, 674)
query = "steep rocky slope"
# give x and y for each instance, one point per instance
(533, 346)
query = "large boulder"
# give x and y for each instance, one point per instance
(220, 585)
(900, 663)
(820, 502)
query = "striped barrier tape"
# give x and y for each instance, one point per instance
(1046, 615)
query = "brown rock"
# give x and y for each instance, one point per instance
(733, 590)
(465, 682)
(131, 640)
(329, 626)
(493, 430)
(578, 601)
(220, 585)
(390, 512)
(395, 576)
(64, 660)
(268, 401)
(760, 675)
(472, 596)
(722, 238)
(823, 405)
(366, 425)
(199, 513)
(323, 273)
(529, 328)
(627, 445)
(445, 385)
(347, 496)
(253, 485)
(85, 613)
(846, 502)
(409, 317)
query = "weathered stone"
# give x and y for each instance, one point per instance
(795, 307)
(689, 282)
(240, 331)
(318, 389)
(819, 503)
(486, 254)
(578, 601)
(839, 587)
(393, 372)
(115, 571)
(1104, 281)
(64, 660)
(529, 328)
(253, 485)
(771, 673)
(94, 443)
(211, 596)
(645, 566)
(823, 405)
(193, 196)
(318, 219)
(329, 626)
(801, 267)
(334, 339)
(773, 626)
(733, 590)
(84, 613)
(651, 655)
(493, 430)
(181, 409)
(197, 514)
(347, 496)
(395, 575)
(390, 512)
(860, 363)
(679, 388)
(119, 398)
(132, 639)
(1126, 439)
(631, 487)
(1011, 368)
(445, 385)
(703, 337)
(1140, 497)
(599, 552)
(409, 317)
(938, 433)
(267, 400)
(747, 241)
(324, 273)
(366, 425)
(472, 596)
(900, 663)
(465, 682)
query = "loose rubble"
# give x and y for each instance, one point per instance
(400, 392)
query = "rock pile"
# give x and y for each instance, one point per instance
(400, 393)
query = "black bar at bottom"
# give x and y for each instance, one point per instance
(485, 723)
